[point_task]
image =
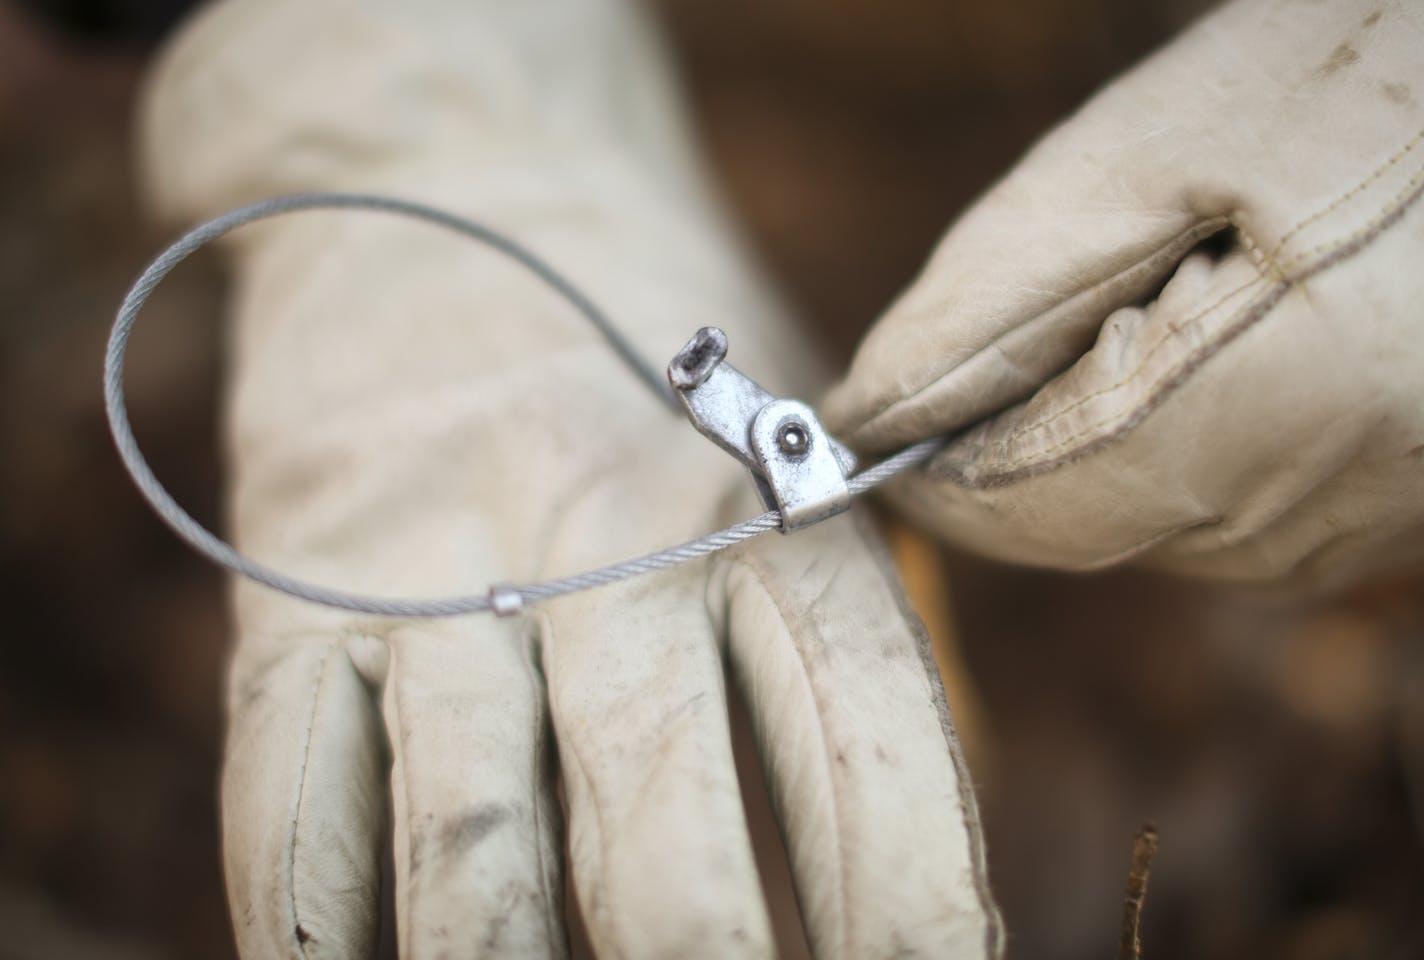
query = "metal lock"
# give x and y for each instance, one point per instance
(799, 468)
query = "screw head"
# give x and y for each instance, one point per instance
(793, 437)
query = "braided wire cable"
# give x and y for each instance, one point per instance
(500, 598)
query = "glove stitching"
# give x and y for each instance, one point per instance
(1031, 465)
(1330, 254)
(1262, 257)
(1265, 261)
(1185, 239)
(760, 578)
(317, 686)
(1141, 368)
(1406, 195)
(1360, 187)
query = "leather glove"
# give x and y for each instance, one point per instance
(1188, 328)
(411, 415)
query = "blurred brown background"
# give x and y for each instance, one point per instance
(1278, 742)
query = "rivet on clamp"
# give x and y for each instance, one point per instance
(798, 467)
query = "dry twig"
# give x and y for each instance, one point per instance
(1144, 848)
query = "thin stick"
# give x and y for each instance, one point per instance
(1144, 848)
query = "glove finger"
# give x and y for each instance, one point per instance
(1018, 288)
(303, 797)
(990, 490)
(659, 847)
(877, 810)
(477, 835)
(1210, 431)
(1249, 119)
(658, 842)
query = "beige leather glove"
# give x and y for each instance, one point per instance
(411, 415)
(1189, 327)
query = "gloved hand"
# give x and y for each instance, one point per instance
(1189, 327)
(411, 415)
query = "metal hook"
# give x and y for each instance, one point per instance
(799, 468)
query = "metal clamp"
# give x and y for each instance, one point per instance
(798, 467)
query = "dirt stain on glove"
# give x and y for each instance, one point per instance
(463, 832)
(1341, 56)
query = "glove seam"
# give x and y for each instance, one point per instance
(395, 726)
(1266, 261)
(1174, 330)
(317, 687)
(1291, 275)
(1351, 193)
(1184, 240)
(1264, 258)
(538, 759)
(1341, 248)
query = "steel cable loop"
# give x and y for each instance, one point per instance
(225, 555)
